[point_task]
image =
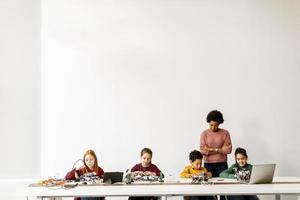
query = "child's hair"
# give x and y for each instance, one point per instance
(242, 151)
(92, 153)
(146, 150)
(194, 155)
(215, 115)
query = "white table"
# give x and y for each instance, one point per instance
(281, 185)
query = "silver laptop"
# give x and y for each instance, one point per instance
(262, 173)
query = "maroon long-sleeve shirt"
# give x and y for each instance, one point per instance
(71, 175)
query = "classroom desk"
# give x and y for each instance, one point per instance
(180, 187)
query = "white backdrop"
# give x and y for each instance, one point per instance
(121, 75)
(20, 96)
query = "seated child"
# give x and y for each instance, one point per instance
(241, 170)
(195, 168)
(90, 165)
(147, 167)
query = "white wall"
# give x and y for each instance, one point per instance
(20, 52)
(121, 75)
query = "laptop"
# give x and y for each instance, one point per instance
(112, 177)
(262, 173)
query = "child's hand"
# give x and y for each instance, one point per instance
(208, 174)
(79, 167)
(76, 175)
(150, 173)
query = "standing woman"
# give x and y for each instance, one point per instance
(215, 144)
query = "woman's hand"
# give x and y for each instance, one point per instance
(213, 150)
(207, 148)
